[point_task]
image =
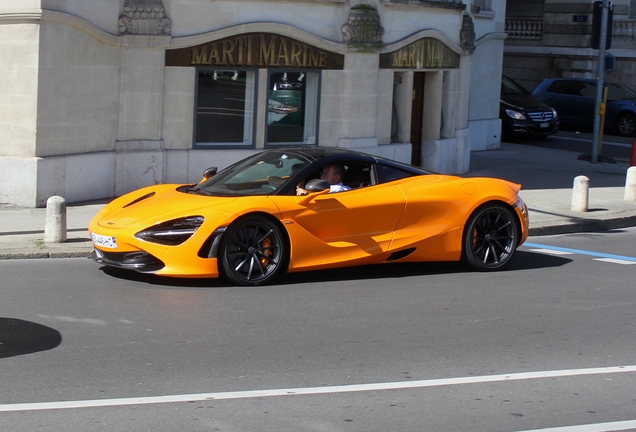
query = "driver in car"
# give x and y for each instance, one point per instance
(334, 175)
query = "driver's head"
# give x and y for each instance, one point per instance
(332, 174)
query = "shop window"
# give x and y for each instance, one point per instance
(632, 8)
(225, 108)
(292, 108)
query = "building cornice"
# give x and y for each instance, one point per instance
(261, 27)
(490, 37)
(435, 34)
(33, 16)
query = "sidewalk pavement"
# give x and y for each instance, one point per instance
(546, 176)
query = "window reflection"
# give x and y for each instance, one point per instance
(292, 107)
(225, 107)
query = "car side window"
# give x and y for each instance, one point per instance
(387, 173)
(357, 175)
(352, 175)
(572, 88)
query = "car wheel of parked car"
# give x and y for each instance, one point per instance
(490, 237)
(626, 124)
(253, 251)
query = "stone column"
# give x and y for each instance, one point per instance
(359, 100)
(139, 147)
(145, 35)
(363, 35)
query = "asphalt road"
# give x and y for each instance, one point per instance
(548, 343)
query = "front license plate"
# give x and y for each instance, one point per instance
(543, 125)
(104, 241)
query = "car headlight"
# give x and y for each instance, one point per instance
(554, 113)
(515, 115)
(172, 233)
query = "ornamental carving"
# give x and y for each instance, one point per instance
(363, 26)
(144, 17)
(467, 34)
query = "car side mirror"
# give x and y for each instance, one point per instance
(317, 185)
(209, 172)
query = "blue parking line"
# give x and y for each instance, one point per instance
(580, 252)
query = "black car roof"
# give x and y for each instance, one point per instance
(333, 154)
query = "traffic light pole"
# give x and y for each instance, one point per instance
(600, 106)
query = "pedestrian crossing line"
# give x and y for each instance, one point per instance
(615, 261)
(560, 250)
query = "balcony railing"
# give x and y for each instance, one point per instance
(623, 32)
(524, 28)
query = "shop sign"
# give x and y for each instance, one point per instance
(426, 53)
(256, 50)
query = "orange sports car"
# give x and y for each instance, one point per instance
(309, 208)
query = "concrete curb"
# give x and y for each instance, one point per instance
(20, 255)
(583, 225)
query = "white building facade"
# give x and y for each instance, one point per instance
(101, 97)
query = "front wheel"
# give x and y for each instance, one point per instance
(253, 251)
(490, 237)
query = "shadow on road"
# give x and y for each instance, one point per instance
(19, 337)
(523, 260)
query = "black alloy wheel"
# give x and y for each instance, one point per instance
(253, 252)
(490, 237)
(626, 125)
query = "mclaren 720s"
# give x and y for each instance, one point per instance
(272, 213)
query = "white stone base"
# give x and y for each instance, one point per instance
(485, 134)
(138, 164)
(448, 155)
(29, 182)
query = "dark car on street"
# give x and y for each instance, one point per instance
(575, 100)
(522, 114)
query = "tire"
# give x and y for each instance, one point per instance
(626, 125)
(490, 237)
(253, 251)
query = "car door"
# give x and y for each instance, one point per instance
(571, 99)
(355, 226)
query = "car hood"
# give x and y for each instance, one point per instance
(524, 103)
(156, 204)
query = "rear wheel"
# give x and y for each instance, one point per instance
(253, 252)
(626, 125)
(490, 237)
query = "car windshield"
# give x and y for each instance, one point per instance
(511, 88)
(260, 174)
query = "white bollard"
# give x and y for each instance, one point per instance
(55, 228)
(580, 194)
(630, 184)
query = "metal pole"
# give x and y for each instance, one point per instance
(599, 80)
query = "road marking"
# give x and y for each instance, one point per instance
(615, 261)
(589, 141)
(595, 427)
(199, 397)
(551, 252)
(556, 249)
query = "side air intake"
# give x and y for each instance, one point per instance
(400, 254)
